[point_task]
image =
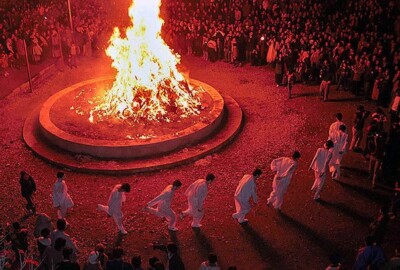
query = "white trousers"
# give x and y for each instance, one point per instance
(279, 188)
(242, 208)
(318, 184)
(167, 213)
(117, 217)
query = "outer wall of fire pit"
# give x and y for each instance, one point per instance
(230, 126)
(126, 149)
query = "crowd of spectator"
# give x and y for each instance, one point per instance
(354, 43)
(45, 27)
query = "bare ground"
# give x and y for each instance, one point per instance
(302, 237)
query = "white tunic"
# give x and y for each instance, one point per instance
(284, 168)
(334, 128)
(115, 202)
(61, 197)
(244, 191)
(340, 144)
(321, 160)
(163, 201)
(196, 193)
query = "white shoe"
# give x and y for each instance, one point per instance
(174, 229)
(243, 221)
(123, 231)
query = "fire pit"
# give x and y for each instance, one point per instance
(149, 116)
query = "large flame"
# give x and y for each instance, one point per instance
(148, 84)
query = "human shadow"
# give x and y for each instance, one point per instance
(374, 195)
(313, 236)
(340, 207)
(118, 240)
(359, 171)
(203, 242)
(261, 246)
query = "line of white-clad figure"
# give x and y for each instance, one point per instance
(327, 158)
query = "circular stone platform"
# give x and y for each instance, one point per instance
(177, 137)
(130, 156)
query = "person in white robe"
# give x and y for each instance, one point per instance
(244, 192)
(320, 165)
(335, 126)
(340, 142)
(284, 168)
(114, 207)
(196, 194)
(162, 205)
(61, 199)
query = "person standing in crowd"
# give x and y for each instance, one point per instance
(28, 188)
(174, 260)
(61, 199)
(244, 191)
(335, 125)
(395, 108)
(211, 263)
(320, 165)
(284, 168)
(67, 264)
(376, 155)
(369, 256)
(117, 263)
(54, 254)
(196, 194)
(290, 83)
(163, 203)
(114, 207)
(358, 126)
(340, 142)
(60, 233)
(92, 262)
(43, 242)
(326, 76)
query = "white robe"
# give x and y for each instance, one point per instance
(196, 194)
(339, 149)
(61, 198)
(114, 207)
(284, 168)
(320, 164)
(244, 191)
(163, 203)
(334, 128)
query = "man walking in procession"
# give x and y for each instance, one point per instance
(114, 207)
(244, 191)
(284, 168)
(196, 194)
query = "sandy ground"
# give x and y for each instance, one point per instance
(302, 237)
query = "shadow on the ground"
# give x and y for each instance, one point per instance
(346, 99)
(374, 195)
(118, 240)
(313, 236)
(267, 253)
(203, 243)
(359, 171)
(345, 209)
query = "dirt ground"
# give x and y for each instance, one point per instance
(302, 237)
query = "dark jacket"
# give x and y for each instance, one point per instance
(175, 263)
(27, 186)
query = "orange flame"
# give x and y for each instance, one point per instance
(148, 84)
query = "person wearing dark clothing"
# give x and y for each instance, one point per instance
(326, 77)
(343, 76)
(278, 71)
(358, 126)
(28, 187)
(369, 256)
(18, 238)
(379, 225)
(376, 156)
(174, 260)
(43, 241)
(66, 264)
(117, 263)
